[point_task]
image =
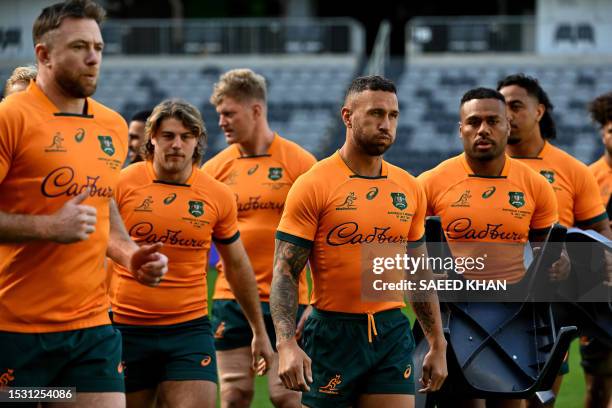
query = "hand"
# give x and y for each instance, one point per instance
(294, 366)
(561, 268)
(435, 370)
(262, 353)
(74, 222)
(300, 326)
(148, 265)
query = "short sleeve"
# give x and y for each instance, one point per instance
(225, 230)
(8, 143)
(424, 181)
(588, 207)
(300, 218)
(545, 213)
(417, 227)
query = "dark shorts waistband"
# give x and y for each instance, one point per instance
(383, 316)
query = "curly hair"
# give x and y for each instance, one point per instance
(600, 109)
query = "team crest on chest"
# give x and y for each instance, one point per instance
(549, 174)
(399, 201)
(516, 199)
(275, 173)
(196, 208)
(106, 144)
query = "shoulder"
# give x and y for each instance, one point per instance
(293, 148)
(219, 160)
(107, 117)
(448, 168)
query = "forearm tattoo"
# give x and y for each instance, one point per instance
(289, 260)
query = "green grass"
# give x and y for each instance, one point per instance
(572, 389)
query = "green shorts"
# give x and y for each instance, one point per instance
(232, 328)
(88, 359)
(596, 357)
(153, 354)
(345, 364)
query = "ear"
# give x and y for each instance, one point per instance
(42, 54)
(460, 130)
(257, 110)
(345, 113)
(540, 110)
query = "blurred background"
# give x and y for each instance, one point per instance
(309, 51)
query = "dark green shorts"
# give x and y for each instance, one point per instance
(345, 364)
(232, 329)
(153, 354)
(596, 357)
(88, 359)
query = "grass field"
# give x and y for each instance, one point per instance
(572, 390)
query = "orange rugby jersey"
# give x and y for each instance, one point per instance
(575, 187)
(336, 212)
(184, 217)
(260, 185)
(46, 158)
(603, 175)
(496, 210)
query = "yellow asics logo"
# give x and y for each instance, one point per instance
(219, 331)
(330, 388)
(205, 361)
(408, 372)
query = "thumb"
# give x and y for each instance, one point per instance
(80, 198)
(149, 249)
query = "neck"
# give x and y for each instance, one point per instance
(179, 177)
(530, 147)
(360, 163)
(489, 168)
(608, 158)
(65, 103)
(260, 142)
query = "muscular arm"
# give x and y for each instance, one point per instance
(120, 245)
(426, 306)
(603, 227)
(289, 260)
(22, 228)
(241, 278)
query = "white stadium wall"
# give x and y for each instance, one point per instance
(574, 27)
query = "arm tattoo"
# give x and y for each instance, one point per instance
(425, 315)
(289, 260)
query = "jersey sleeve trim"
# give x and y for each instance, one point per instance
(227, 241)
(593, 220)
(283, 236)
(417, 243)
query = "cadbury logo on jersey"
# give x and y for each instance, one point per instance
(348, 233)
(254, 204)
(143, 232)
(61, 182)
(461, 228)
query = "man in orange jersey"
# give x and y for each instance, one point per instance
(136, 136)
(483, 195)
(532, 126)
(259, 167)
(355, 352)
(60, 157)
(168, 345)
(596, 356)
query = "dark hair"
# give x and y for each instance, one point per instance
(51, 17)
(548, 128)
(482, 93)
(141, 116)
(370, 83)
(181, 110)
(601, 109)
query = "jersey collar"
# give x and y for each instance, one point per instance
(470, 172)
(346, 170)
(153, 176)
(40, 96)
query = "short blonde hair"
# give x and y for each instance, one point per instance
(240, 84)
(182, 111)
(20, 74)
